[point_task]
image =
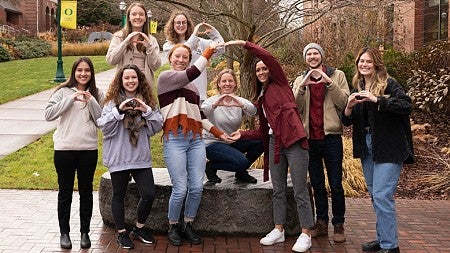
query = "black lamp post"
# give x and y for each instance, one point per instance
(59, 77)
(123, 7)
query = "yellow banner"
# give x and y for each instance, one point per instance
(153, 26)
(69, 14)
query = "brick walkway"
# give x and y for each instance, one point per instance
(28, 223)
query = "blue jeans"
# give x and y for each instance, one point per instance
(328, 151)
(382, 180)
(237, 157)
(185, 157)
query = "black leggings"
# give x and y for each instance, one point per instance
(146, 186)
(67, 163)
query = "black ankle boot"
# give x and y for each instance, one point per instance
(211, 174)
(188, 234)
(65, 242)
(85, 241)
(174, 235)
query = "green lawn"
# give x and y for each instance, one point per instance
(32, 166)
(21, 78)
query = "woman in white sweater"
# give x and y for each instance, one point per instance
(75, 104)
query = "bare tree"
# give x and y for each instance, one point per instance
(264, 22)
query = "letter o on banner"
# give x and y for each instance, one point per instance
(69, 14)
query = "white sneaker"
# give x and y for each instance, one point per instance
(303, 243)
(273, 237)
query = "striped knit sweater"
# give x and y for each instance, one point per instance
(179, 100)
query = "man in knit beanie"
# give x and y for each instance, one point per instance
(315, 46)
(321, 93)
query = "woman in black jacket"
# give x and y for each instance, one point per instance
(379, 112)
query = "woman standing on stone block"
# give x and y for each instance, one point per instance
(75, 104)
(129, 118)
(285, 144)
(134, 45)
(184, 149)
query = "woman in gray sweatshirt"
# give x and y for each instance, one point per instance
(129, 118)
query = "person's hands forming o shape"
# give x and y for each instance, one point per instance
(229, 101)
(207, 29)
(315, 76)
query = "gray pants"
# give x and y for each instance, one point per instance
(296, 158)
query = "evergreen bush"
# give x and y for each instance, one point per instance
(4, 54)
(32, 48)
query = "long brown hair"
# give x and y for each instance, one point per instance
(169, 31)
(72, 82)
(124, 32)
(116, 87)
(380, 74)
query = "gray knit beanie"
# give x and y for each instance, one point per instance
(315, 46)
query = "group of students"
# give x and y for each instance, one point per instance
(299, 130)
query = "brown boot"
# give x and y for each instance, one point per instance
(320, 228)
(339, 235)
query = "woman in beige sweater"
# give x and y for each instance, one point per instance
(134, 45)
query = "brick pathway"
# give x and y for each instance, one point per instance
(28, 223)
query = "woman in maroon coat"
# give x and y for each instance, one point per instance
(285, 145)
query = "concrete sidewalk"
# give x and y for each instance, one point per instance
(22, 121)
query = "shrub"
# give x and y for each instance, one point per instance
(429, 91)
(430, 82)
(7, 43)
(47, 36)
(32, 48)
(4, 54)
(398, 65)
(76, 35)
(433, 57)
(96, 48)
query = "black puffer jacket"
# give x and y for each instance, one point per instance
(389, 125)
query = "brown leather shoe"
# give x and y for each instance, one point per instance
(320, 228)
(339, 235)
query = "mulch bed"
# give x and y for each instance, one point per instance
(428, 143)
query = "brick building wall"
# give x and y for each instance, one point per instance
(404, 26)
(36, 15)
(429, 24)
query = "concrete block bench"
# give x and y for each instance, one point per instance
(228, 208)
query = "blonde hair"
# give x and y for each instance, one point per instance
(219, 77)
(380, 74)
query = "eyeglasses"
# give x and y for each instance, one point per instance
(181, 23)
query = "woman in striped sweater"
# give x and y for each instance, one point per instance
(184, 149)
